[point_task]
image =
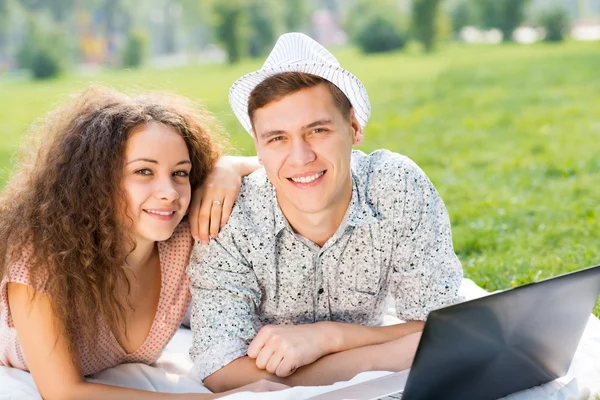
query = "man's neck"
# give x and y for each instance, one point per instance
(319, 227)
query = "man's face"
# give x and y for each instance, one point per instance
(304, 142)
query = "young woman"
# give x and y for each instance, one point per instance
(96, 240)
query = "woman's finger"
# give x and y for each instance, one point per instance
(215, 217)
(204, 219)
(194, 212)
(227, 207)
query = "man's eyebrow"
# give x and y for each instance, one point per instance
(156, 162)
(321, 122)
(266, 135)
(317, 123)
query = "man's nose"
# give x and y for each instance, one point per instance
(301, 152)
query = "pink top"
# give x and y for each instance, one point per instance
(173, 302)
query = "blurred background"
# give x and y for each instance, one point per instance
(497, 100)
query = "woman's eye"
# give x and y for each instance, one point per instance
(144, 171)
(182, 174)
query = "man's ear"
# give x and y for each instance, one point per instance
(357, 132)
(256, 146)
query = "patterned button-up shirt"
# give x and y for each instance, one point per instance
(394, 240)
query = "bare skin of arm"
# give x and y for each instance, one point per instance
(44, 346)
(281, 349)
(326, 370)
(223, 185)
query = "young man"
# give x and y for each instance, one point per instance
(296, 285)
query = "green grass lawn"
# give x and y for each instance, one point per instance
(509, 135)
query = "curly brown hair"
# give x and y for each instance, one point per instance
(64, 199)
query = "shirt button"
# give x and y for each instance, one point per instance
(320, 291)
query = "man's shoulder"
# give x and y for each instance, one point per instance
(383, 170)
(254, 204)
(255, 188)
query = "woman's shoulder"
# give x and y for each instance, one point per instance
(179, 245)
(18, 269)
(182, 231)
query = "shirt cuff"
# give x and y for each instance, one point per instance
(213, 359)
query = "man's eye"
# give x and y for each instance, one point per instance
(144, 171)
(319, 130)
(182, 173)
(276, 139)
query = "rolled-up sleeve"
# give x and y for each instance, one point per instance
(225, 297)
(426, 272)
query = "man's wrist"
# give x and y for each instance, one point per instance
(333, 336)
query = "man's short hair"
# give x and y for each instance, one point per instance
(278, 86)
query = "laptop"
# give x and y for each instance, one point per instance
(493, 346)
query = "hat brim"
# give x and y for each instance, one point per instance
(349, 84)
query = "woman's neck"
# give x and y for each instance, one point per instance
(141, 256)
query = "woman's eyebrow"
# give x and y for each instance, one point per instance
(156, 162)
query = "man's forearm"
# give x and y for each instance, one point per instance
(350, 336)
(395, 355)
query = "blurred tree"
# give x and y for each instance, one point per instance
(376, 26)
(424, 22)
(295, 15)
(196, 22)
(32, 5)
(556, 22)
(505, 15)
(44, 51)
(44, 64)
(331, 5)
(262, 30)
(488, 13)
(513, 14)
(463, 14)
(230, 25)
(135, 50)
(59, 9)
(443, 30)
(4, 28)
(171, 13)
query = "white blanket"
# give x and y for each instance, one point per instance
(169, 374)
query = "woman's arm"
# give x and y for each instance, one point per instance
(212, 202)
(51, 365)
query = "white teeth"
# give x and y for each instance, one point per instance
(308, 179)
(165, 213)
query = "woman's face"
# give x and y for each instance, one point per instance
(156, 181)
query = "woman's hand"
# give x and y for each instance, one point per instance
(212, 202)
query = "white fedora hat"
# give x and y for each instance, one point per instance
(296, 52)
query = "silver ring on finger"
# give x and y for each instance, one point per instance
(217, 203)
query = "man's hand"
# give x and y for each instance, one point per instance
(282, 349)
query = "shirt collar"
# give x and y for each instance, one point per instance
(360, 210)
